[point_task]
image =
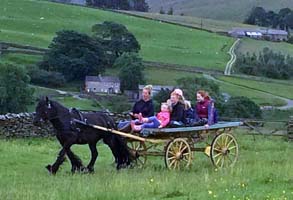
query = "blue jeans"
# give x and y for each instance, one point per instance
(153, 122)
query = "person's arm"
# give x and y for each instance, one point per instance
(150, 110)
(195, 115)
(135, 112)
(211, 111)
(178, 116)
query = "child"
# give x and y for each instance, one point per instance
(160, 121)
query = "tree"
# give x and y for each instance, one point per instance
(131, 71)
(75, 55)
(170, 11)
(162, 11)
(45, 78)
(15, 93)
(116, 39)
(257, 16)
(241, 107)
(119, 4)
(140, 5)
(267, 63)
(192, 84)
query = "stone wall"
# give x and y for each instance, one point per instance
(21, 125)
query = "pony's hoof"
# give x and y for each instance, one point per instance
(49, 168)
(90, 170)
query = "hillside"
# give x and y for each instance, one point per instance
(35, 22)
(217, 9)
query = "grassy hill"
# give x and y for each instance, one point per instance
(217, 9)
(213, 25)
(255, 46)
(35, 22)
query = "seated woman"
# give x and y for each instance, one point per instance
(159, 121)
(178, 109)
(204, 111)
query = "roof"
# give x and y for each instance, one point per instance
(259, 30)
(157, 87)
(112, 79)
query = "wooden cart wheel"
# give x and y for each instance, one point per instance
(178, 154)
(138, 150)
(224, 150)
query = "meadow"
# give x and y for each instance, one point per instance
(215, 9)
(256, 46)
(278, 88)
(263, 171)
(212, 25)
(35, 23)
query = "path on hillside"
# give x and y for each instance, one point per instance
(232, 59)
(289, 102)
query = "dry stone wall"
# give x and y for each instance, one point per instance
(21, 125)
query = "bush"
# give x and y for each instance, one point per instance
(45, 78)
(241, 107)
(15, 93)
(267, 63)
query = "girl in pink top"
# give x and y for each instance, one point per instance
(161, 120)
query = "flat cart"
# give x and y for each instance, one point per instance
(177, 145)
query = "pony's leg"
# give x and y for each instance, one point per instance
(95, 153)
(76, 163)
(60, 159)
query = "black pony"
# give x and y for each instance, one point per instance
(69, 133)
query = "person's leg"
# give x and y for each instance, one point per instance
(153, 122)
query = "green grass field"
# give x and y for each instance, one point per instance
(256, 46)
(213, 25)
(35, 23)
(215, 9)
(263, 171)
(283, 90)
(258, 97)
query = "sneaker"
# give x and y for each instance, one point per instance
(135, 128)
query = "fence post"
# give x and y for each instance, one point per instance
(290, 128)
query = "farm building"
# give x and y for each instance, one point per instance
(102, 84)
(268, 34)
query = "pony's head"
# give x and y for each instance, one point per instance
(45, 111)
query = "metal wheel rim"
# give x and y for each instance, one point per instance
(178, 154)
(224, 150)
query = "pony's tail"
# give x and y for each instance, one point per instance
(119, 147)
(123, 158)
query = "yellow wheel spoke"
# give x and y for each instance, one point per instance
(173, 157)
(230, 142)
(218, 150)
(226, 140)
(180, 146)
(232, 154)
(219, 160)
(172, 162)
(217, 155)
(181, 151)
(185, 154)
(223, 161)
(172, 153)
(231, 161)
(232, 147)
